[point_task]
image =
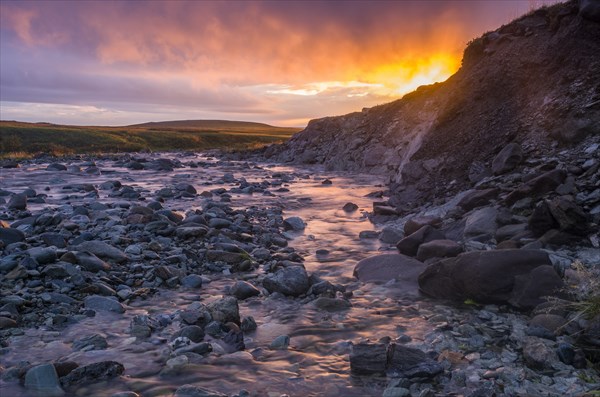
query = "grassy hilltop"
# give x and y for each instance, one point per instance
(19, 139)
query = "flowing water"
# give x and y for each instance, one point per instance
(316, 364)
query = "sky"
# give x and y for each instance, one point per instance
(279, 62)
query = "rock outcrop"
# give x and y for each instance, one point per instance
(526, 85)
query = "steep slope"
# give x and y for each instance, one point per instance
(534, 82)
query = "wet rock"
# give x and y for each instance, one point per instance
(485, 276)
(196, 391)
(219, 223)
(248, 324)
(92, 342)
(508, 159)
(92, 373)
(97, 302)
(368, 359)
(410, 245)
(294, 223)
(17, 202)
(331, 304)
(390, 235)
(43, 379)
(385, 267)
(56, 167)
(280, 343)
(103, 250)
(350, 207)
(54, 239)
(225, 310)
(9, 235)
(438, 249)
(292, 281)
(408, 362)
(193, 332)
(244, 290)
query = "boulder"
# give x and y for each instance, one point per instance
(570, 217)
(541, 219)
(292, 281)
(93, 373)
(410, 245)
(530, 289)
(9, 235)
(244, 290)
(539, 354)
(438, 249)
(478, 198)
(481, 222)
(386, 267)
(103, 250)
(17, 202)
(43, 379)
(537, 186)
(294, 223)
(368, 359)
(97, 302)
(225, 310)
(485, 276)
(508, 159)
(417, 222)
(408, 362)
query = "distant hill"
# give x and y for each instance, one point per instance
(209, 124)
(20, 139)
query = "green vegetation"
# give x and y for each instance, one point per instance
(19, 139)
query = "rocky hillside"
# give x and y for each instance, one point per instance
(531, 82)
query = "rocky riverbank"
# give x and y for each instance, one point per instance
(127, 275)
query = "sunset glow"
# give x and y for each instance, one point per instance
(283, 63)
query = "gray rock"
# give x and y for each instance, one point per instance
(54, 239)
(89, 261)
(225, 310)
(97, 302)
(196, 391)
(6, 323)
(331, 304)
(292, 281)
(192, 332)
(219, 223)
(92, 342)
(390, 235)
(294, 223)
(386, 267)
(280, 343)
(408, 362)
(244, 290)
(410, 245)
(17, 202)
(417, 222)
(93, 373)
(44, 380)
(485, 276)
(538, 353)
(530, 289)
(192, 281)
(56, 167)
(438, 249)
(350, 207)
(42, 255)
(508, 159)
(478, 198)
(103, 250)
(9, 235)
(481, 222)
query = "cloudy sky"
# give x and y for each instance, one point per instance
(280, 62)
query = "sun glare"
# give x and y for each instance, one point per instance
(406, 76)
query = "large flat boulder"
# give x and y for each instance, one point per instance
(386, 267)
(485, 276)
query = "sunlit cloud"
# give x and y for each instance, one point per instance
(278, 62)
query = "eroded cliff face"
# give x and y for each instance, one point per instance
(535, 82)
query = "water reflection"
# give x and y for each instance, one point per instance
(316, 363)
